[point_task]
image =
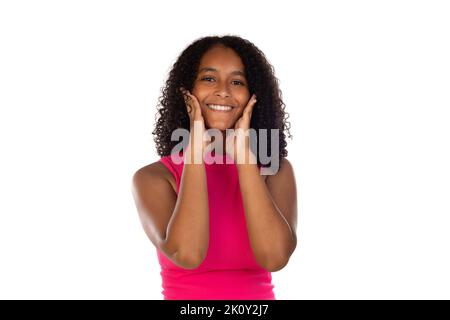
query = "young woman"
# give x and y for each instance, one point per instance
(219, 229)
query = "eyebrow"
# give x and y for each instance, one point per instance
(236, 72)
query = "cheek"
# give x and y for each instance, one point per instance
(202, 95)
(239, 112)
(243, 98)
(199, 89)
(196, 91)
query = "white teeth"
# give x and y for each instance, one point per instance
(219, 107)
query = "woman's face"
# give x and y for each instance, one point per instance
(221, 81)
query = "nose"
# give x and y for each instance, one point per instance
(222, 92)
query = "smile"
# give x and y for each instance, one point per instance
(217, 107)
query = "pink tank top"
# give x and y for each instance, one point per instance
(229, 270)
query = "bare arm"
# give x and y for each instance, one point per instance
(188, 229)
(177, 225)
(271, 213)
(270, 206)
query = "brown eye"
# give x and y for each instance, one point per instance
(239, 82)
(205, 78)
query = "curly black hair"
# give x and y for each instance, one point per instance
(268, 114)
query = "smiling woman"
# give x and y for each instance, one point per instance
(221, 88)
(219, 229)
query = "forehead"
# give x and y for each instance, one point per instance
(222, 58)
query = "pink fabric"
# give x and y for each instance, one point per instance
(229, 271)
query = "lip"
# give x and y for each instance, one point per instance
(221, 104)
(222, 111)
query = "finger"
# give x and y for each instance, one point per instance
(186, 99)
(249, 107)
(190, 96)
(195, 103)
(194, 98)
(183, 93)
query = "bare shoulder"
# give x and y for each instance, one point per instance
(154, 171)
(285, 172)
(155, 199)
(282, 187)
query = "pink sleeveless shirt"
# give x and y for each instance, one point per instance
(229, 270)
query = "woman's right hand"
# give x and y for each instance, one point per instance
(197, 142)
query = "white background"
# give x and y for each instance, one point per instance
(366, 84)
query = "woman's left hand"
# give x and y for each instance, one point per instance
(241, 146)
(244, 121)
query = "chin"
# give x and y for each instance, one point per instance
(219, 126)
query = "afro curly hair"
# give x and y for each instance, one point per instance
(270, 111)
